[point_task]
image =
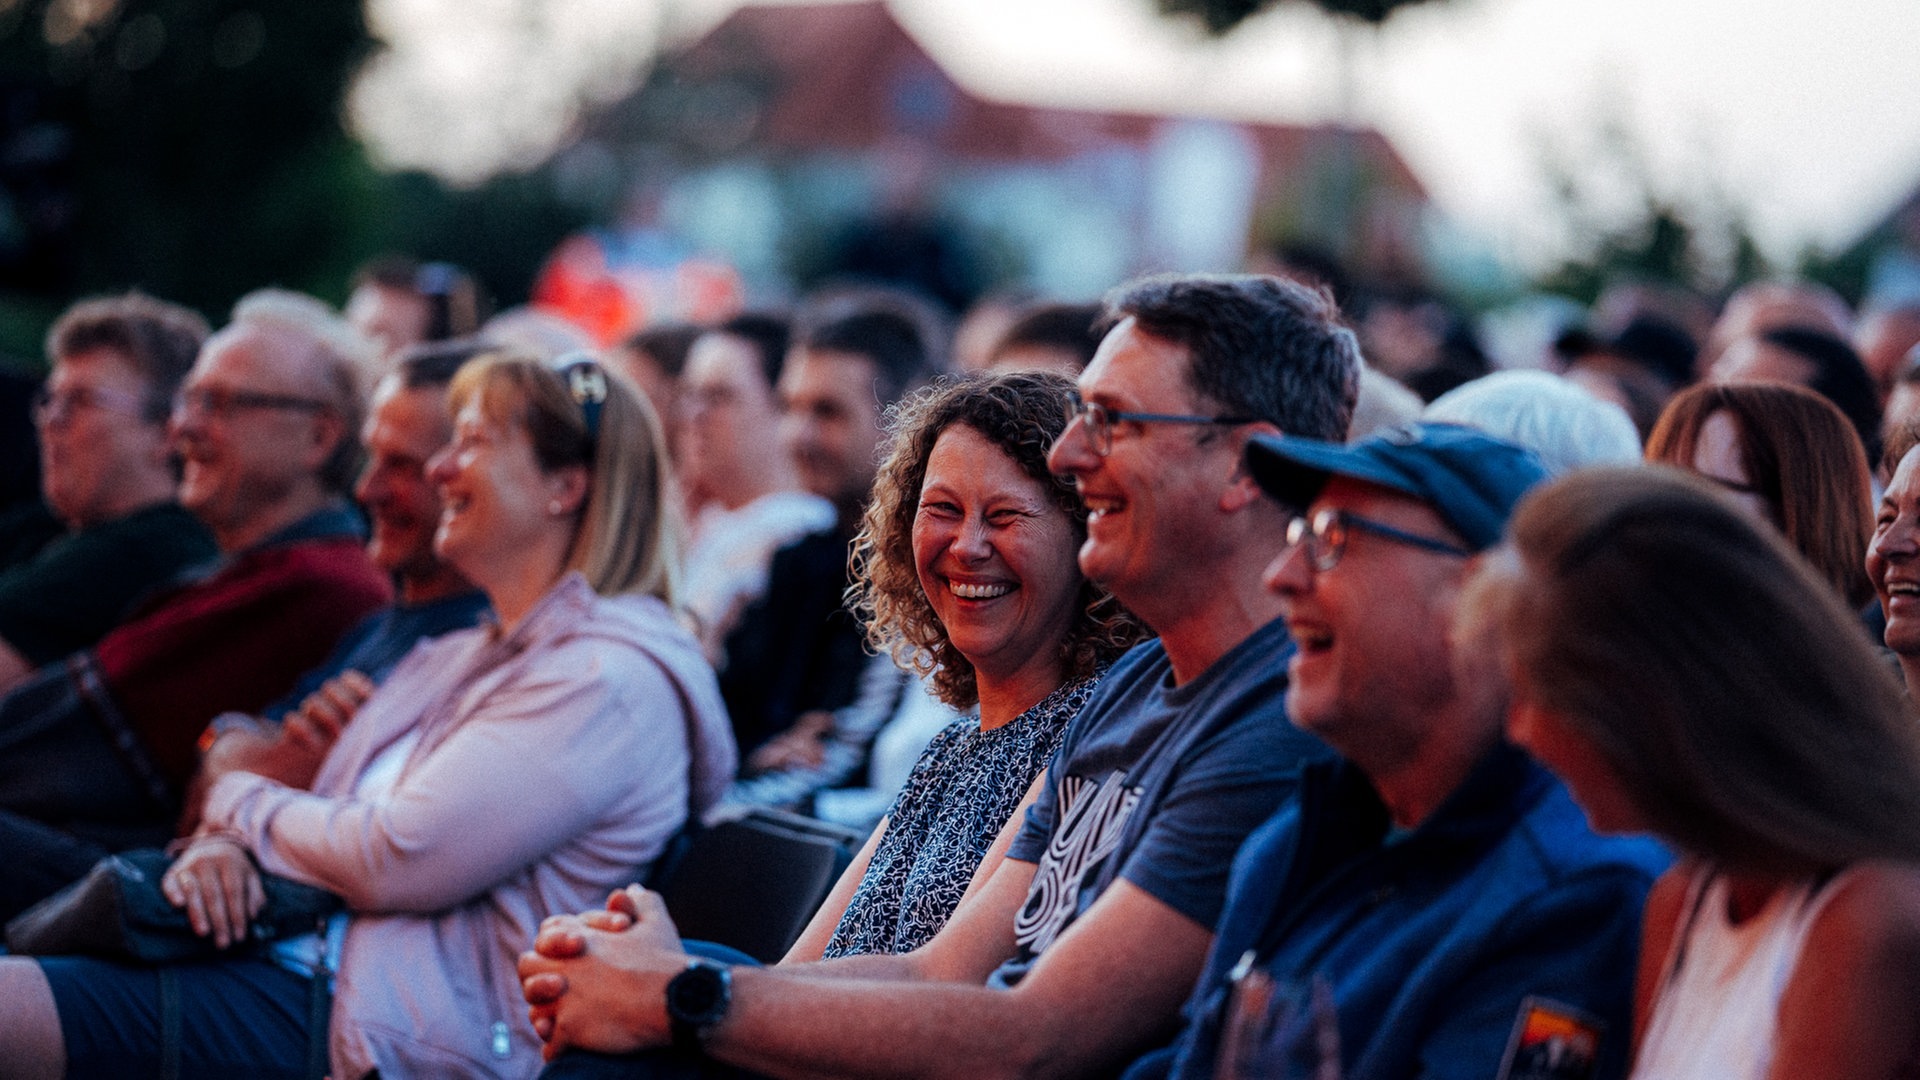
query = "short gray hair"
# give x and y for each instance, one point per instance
(1566, 426)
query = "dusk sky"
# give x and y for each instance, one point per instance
(1804, 115)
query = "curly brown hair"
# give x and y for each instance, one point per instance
(1022, 413)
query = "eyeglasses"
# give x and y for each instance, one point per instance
(222, 403)
(1325, 535)
(49, 406)
(587, 383)
(1099, 421)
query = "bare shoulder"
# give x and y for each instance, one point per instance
(1873, 915)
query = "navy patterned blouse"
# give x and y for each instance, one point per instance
(961, 791)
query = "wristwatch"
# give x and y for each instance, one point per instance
(697, 1000)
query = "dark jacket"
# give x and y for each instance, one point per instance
(1464, 947)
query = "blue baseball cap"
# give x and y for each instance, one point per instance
(1471, 479)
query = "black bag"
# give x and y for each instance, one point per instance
(119, 913)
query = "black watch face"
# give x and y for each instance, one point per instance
(698, 995)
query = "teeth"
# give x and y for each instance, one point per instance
(978, 592)
(1902, 589)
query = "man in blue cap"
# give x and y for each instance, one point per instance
(1433, 905)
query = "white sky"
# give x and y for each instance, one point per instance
(1805, 114)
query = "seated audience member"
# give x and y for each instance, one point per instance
(1902, 412)
(965, 574)
(654, 359)
(1893, 555)
(397, 302)
(1821, 362)
(753, 502)
(1883, 337)
(108, 475)
(1383, 403)
(101, 743)
(1639, 369)
(1788, 458)
(1687, 675)
(1436, 886)
(1074, 955)
(406, 426)
(1565, 427)
(1420, 340)
(795, 650)
(470, 798)
(1756, 308)
(1049, 337)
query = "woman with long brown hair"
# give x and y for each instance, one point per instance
(1688, 676)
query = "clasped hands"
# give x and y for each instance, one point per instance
(597, 980)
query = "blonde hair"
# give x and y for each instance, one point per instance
(629, 534)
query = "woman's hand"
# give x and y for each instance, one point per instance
(316, 724)
(218, 885)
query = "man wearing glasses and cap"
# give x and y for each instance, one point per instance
(100, 745)
(1072, 958)
(1434, 904)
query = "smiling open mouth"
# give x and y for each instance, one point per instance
(978, 592)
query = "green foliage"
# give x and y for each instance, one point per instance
(1221, 16)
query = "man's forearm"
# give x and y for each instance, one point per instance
(789, 1025)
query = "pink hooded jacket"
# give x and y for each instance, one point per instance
(553, 765)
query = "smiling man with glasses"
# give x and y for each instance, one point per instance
(1435, 897)
(97, 747)
(108, 477)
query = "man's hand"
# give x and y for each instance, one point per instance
(801, 746)
(316, 724)
(218, 885)
(597, 981)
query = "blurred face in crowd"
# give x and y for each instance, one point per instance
(727, 407)
(995, 556)
(830, 422)
(1751, 359)
(1893, 558)
(391, 318)
(1152, 497)
(1716, 456)
(101, 457)
(251, 425)
(1372, 662)
(405, 428)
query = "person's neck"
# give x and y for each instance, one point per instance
(295, 506)
(749, 489)
(1209, 612)
(1004, 697)
(1428, 774)
(514, 590)
(1910, 675)
(1748, 894)
(137, 498)
(426, 586)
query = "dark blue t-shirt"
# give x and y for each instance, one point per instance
(1159, 784)
(381, 640)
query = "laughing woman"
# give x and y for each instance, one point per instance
(498, 776)
(967, 575)
(1687, 675)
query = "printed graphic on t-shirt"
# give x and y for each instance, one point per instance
(1092, 816)
(1552, 1041)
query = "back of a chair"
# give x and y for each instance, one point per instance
(752, 883)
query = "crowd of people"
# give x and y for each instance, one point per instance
(1227, 685)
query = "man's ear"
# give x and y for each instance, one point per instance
(328, 430)
(1241, 490)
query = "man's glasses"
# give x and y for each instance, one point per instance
(1098, 420)
(1325, 535)
(221, 403)
(50, 407)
